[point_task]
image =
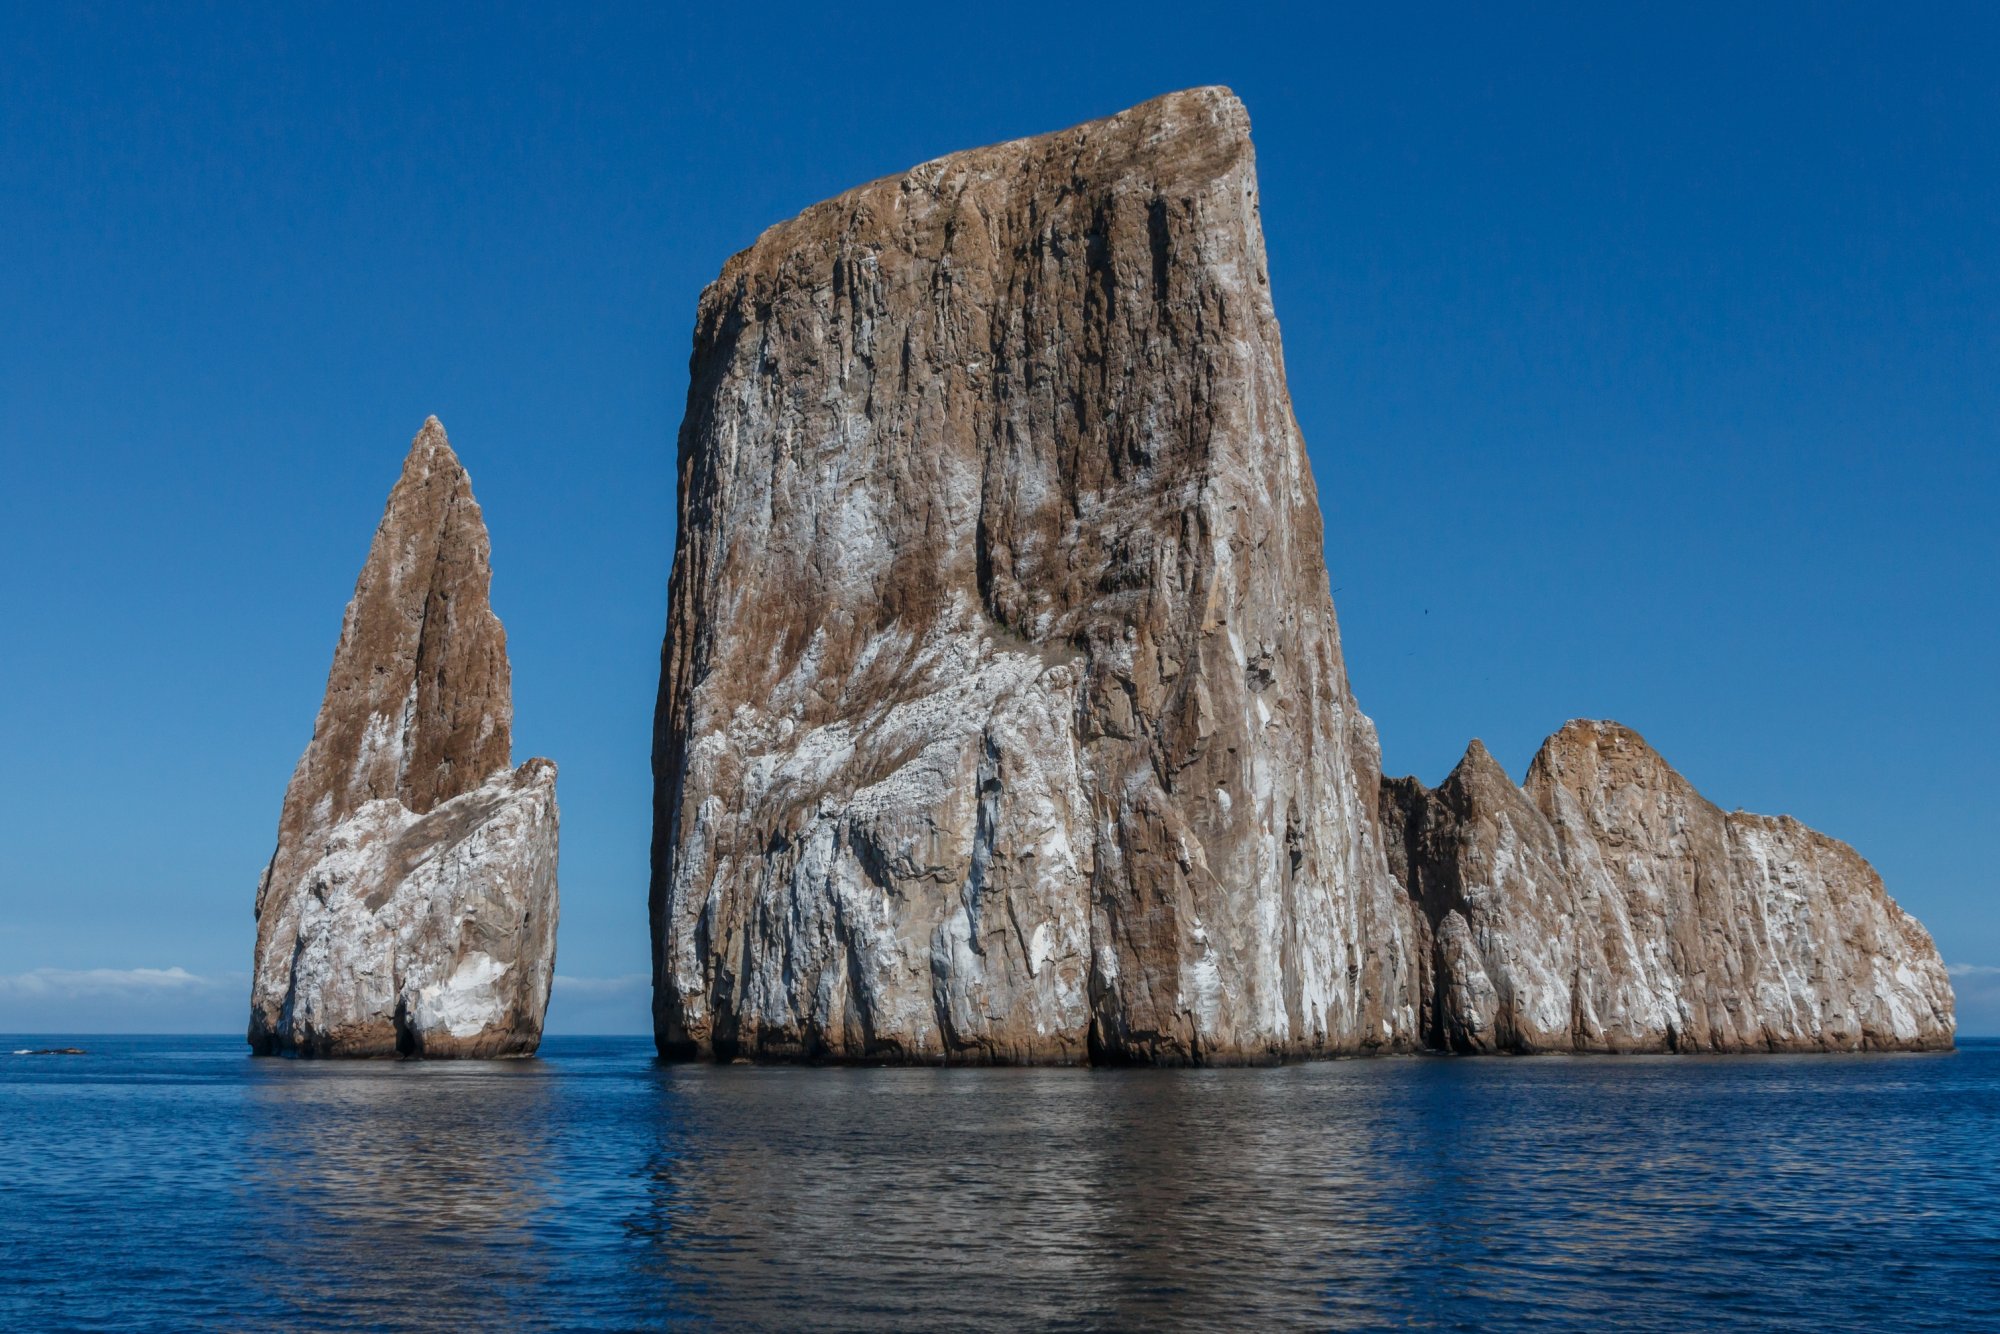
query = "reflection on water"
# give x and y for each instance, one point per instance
(391, 1177)
(166, 1183)
(908, 1196)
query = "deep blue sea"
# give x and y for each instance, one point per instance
(176, 1183)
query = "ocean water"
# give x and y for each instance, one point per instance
(176, 1183)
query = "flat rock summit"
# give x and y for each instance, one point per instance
(1003, 716)
(410, 907)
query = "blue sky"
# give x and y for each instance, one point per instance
(1647, 358)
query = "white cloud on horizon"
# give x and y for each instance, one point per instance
(75, 1001)
(1977, 988)
(73, 982)
(77, 983)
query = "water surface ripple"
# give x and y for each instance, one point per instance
(174, 1183)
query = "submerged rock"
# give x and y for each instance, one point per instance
(411, 904)
(1606, 906)
(1003, 715)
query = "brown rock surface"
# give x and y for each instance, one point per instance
(411, 903)
(1607, 906)
(1002, 714)
(1496, 918)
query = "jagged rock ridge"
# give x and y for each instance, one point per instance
(1606, 906)
(1003, 715)
(411, 904)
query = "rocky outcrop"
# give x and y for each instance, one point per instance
(410, 907)
(1606, 906)
(1495, 910)
(1003, 715)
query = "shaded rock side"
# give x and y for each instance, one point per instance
(1606, 906)
(1002, 713)
(411, 904)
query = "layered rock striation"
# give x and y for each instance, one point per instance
(410, 907)
(1605, 906)
(1003, 715)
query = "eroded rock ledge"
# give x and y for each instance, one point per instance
(410, 907)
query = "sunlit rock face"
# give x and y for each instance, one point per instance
(410, 907)
(1003, 715)
(1606, 906)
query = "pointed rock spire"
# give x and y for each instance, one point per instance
(418, 704)
(1478, 769)
(416, 723)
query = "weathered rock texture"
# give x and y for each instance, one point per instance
(411, 906)
(1002, 714)
(1608, 907)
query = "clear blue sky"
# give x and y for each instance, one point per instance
(1647, 356)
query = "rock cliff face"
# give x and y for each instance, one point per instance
(1003, 715)
(1608, 907)
(1002, 711)
(411, 904)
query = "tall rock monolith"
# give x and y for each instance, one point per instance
(410, 907)
(1002, 714)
